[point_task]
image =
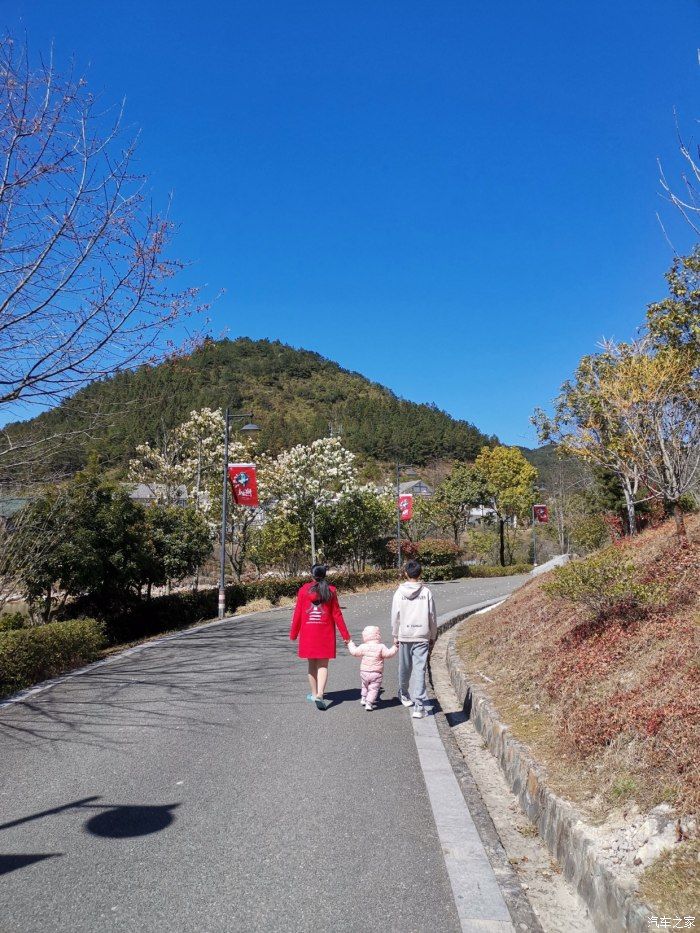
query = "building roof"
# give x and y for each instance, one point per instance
(152, 491)
(417, 487)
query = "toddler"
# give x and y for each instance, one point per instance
(373, 654)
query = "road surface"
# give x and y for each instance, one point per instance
(190, 788)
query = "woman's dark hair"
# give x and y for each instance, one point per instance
(320, 589)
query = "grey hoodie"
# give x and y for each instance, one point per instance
(413, 615)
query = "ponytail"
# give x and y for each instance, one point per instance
(320, 589)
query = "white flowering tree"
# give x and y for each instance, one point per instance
(192, 456)
(305, 478)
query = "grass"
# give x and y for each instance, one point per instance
(672, 883)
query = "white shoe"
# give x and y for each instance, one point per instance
(369, 706)
(406, 701)
(363, 701)
(418, 712)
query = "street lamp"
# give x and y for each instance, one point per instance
(248, 428)
(409, 471)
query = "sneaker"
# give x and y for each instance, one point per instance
(321, 703)
(418, 712)
(369, 706)
(311, 698)
(406, 701)
(363, 701)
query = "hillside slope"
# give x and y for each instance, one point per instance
(611, 706)
(295, 395)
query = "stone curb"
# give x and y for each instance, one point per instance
(613, 905)
(522, 915)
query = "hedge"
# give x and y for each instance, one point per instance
(32, 654)
(147, 617)
(460, 572)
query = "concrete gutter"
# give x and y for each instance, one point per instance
(613, 905)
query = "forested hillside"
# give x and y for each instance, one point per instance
(295, 395)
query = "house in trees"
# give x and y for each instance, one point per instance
(158, 494)
(416, 487)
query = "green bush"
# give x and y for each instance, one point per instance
(461, 571)
(602, 582)
(29, 655)
(11, 621)
(434, 552)
(590, 533)
(144, 618)
(512, 570)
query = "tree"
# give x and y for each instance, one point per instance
(349, 530)
(509, 482)
(280, 542)
(675, 321)
(305, 478)
(85, 274)
(584, 425)
(656, 396)
(178, 540)
(191, 456)
(105, 546)
(425, 520)
(100, 544)
(456, 496)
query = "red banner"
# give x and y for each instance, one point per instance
(244, 483)
(406, 507)
(540, 514)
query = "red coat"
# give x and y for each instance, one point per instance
(315, 624)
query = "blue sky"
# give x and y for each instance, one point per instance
(455, 199)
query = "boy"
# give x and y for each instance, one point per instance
(414, 627)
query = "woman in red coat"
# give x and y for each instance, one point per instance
(315, 618)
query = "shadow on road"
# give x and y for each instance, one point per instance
(218, 669)
(125, 822)
(120, 821)
(10, 863)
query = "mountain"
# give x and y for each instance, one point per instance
(295, 396)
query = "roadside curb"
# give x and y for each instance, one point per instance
(522, 914)
(613, 905)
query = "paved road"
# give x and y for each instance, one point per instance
(190, 788)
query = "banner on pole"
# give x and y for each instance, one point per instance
(540, 514)
(406, 507)
(244, 483)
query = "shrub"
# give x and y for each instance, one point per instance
(497, 571)
(29, 655)
(434, 552)
(12, 621)
(409, 549)
(590, 533)
(143, 618)
(603, 582)
(461, 571)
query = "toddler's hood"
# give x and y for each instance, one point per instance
(371, 633)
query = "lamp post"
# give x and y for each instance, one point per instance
(249, 428)
(409, 471)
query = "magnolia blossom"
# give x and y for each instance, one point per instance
(190, 456)
(306, 477)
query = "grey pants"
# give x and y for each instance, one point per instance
(413, 657)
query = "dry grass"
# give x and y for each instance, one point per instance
(611, 706)
(672, 883)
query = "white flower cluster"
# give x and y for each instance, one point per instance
(306, 477)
